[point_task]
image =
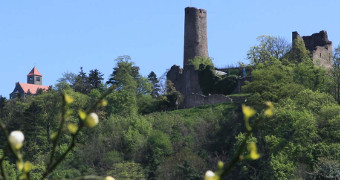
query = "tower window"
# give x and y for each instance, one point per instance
(37, 79)
(31, 78)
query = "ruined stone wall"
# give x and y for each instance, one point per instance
(175, 75)
(195, 34)
(186, 81)
(194, 100)
(320, 47)
(322, 56)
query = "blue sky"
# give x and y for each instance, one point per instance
(60, 36)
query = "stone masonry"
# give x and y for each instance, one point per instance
(320, 47)
(186, 80)
(195, 34)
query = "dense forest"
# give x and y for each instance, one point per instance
(142, 134)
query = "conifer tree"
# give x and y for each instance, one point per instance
(95, 78)
(81, 83)
(155, 84)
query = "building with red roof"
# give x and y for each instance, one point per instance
(32, 87)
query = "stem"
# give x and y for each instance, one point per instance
(240, 150)
(55, 141)
(2, 165)
(237, 156)
(52, 165)
(99, 100)
(62, 157)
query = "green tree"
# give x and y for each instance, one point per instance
(81, 83)
(298, 53)
(269, 47)
(124, 77)
(152, 77)
(2, 105)
(123, 67)
(128, 171)
(95, 78)
(68, 78)
(335, 71)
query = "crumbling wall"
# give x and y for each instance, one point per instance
(186, 81)
(175, 75)
(194, 100)
(320, 47)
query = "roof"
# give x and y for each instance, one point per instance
(34, 71)
(220, 73)
(32, 88)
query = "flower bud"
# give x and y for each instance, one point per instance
(91, 120)
(16, 139)
(209, 175)
(109, 178)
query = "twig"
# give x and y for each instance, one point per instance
(52, 165)
(240, 150)
(55, 140)
(62, 157)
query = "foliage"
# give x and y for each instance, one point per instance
(298, 53)
(270, 47)
(95, 78)
(81, 83)
(152, 77)
(335, 72)
(173, 97)
(274, 81)
(134, 140)
(128, 171)
(213, 84)
(123, 72)
(198, 62)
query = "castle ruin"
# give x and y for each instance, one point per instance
(186, 80)
(320, 47)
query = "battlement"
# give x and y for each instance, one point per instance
(193, 10)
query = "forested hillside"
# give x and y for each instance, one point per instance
(142, 135)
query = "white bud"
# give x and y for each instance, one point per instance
(109, 178)
(16, 139)
(91, 120)
(209, 175)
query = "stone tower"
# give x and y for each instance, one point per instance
(195, 34)
(34, 77)
(320, 47)
(186, 79)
